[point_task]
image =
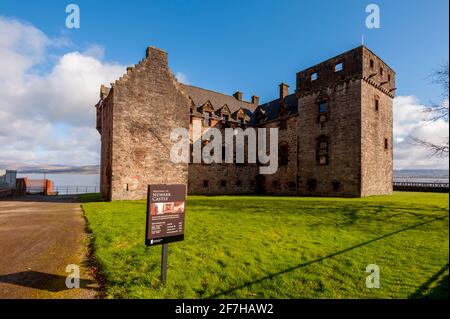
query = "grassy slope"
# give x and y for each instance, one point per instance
(248, 247)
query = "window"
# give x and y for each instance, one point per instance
(241, 122)
(223, 183)
(371, 64)
(205, 183)
(283, 124)
(238, 183)
(283, 157)
(389, 77)
(314, 76)
(292, 186)
(339, 67)
(386, 144)
(322, 151)
(381, 71)
(207, 120)
(336, 185)
(311, 184)
(377, 105)
(323, 107)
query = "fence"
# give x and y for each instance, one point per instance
(421, 187)
(64, 190)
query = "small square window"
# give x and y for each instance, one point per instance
(339, 67)
(323, 107)
(314, 76)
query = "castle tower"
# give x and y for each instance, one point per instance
(135, 118)
(345, 126)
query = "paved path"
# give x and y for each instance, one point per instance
(39, 237)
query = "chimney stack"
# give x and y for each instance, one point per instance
(255, 100)
(284, 90)
(238, 95)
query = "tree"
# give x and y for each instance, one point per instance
(436, 112)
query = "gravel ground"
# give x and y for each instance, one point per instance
(39, 237)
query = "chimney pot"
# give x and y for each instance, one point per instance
(284, 90)
(238, 95)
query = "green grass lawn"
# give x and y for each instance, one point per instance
(279, 247)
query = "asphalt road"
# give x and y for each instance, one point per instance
(39, 238)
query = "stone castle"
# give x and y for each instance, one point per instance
(335, 131)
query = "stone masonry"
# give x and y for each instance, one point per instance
(335, 131)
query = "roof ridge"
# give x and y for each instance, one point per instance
(197, 87)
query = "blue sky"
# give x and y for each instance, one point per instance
(254, 45)
(51, 75)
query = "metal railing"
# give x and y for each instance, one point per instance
(421, 187)
(64, 190)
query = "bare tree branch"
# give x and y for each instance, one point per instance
(436, 150)
(436, 112)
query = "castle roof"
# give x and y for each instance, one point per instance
(271, 110)
(217, 100)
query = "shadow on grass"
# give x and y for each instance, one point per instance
(273, 275)
(42, 281)
(440, 289)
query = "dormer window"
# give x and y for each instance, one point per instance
(314, 76)
(339, 67)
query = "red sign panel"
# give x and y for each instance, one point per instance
(165, 214)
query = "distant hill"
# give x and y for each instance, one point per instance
(36, 169)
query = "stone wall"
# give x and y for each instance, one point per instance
(377, 126)
(284, 181)
(147, 105)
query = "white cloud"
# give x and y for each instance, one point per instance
(182, 78)
(48, 117)
(410, 122)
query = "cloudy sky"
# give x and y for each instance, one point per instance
(50, 82)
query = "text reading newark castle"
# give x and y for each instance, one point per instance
(335, 131)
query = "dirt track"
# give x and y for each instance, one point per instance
(38, 239)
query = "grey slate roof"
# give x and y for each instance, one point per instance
(200, 96)
(271, 110)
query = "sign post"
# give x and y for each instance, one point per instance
(165, 218)
(164, 255)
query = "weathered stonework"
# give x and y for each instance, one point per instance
(335, 131)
